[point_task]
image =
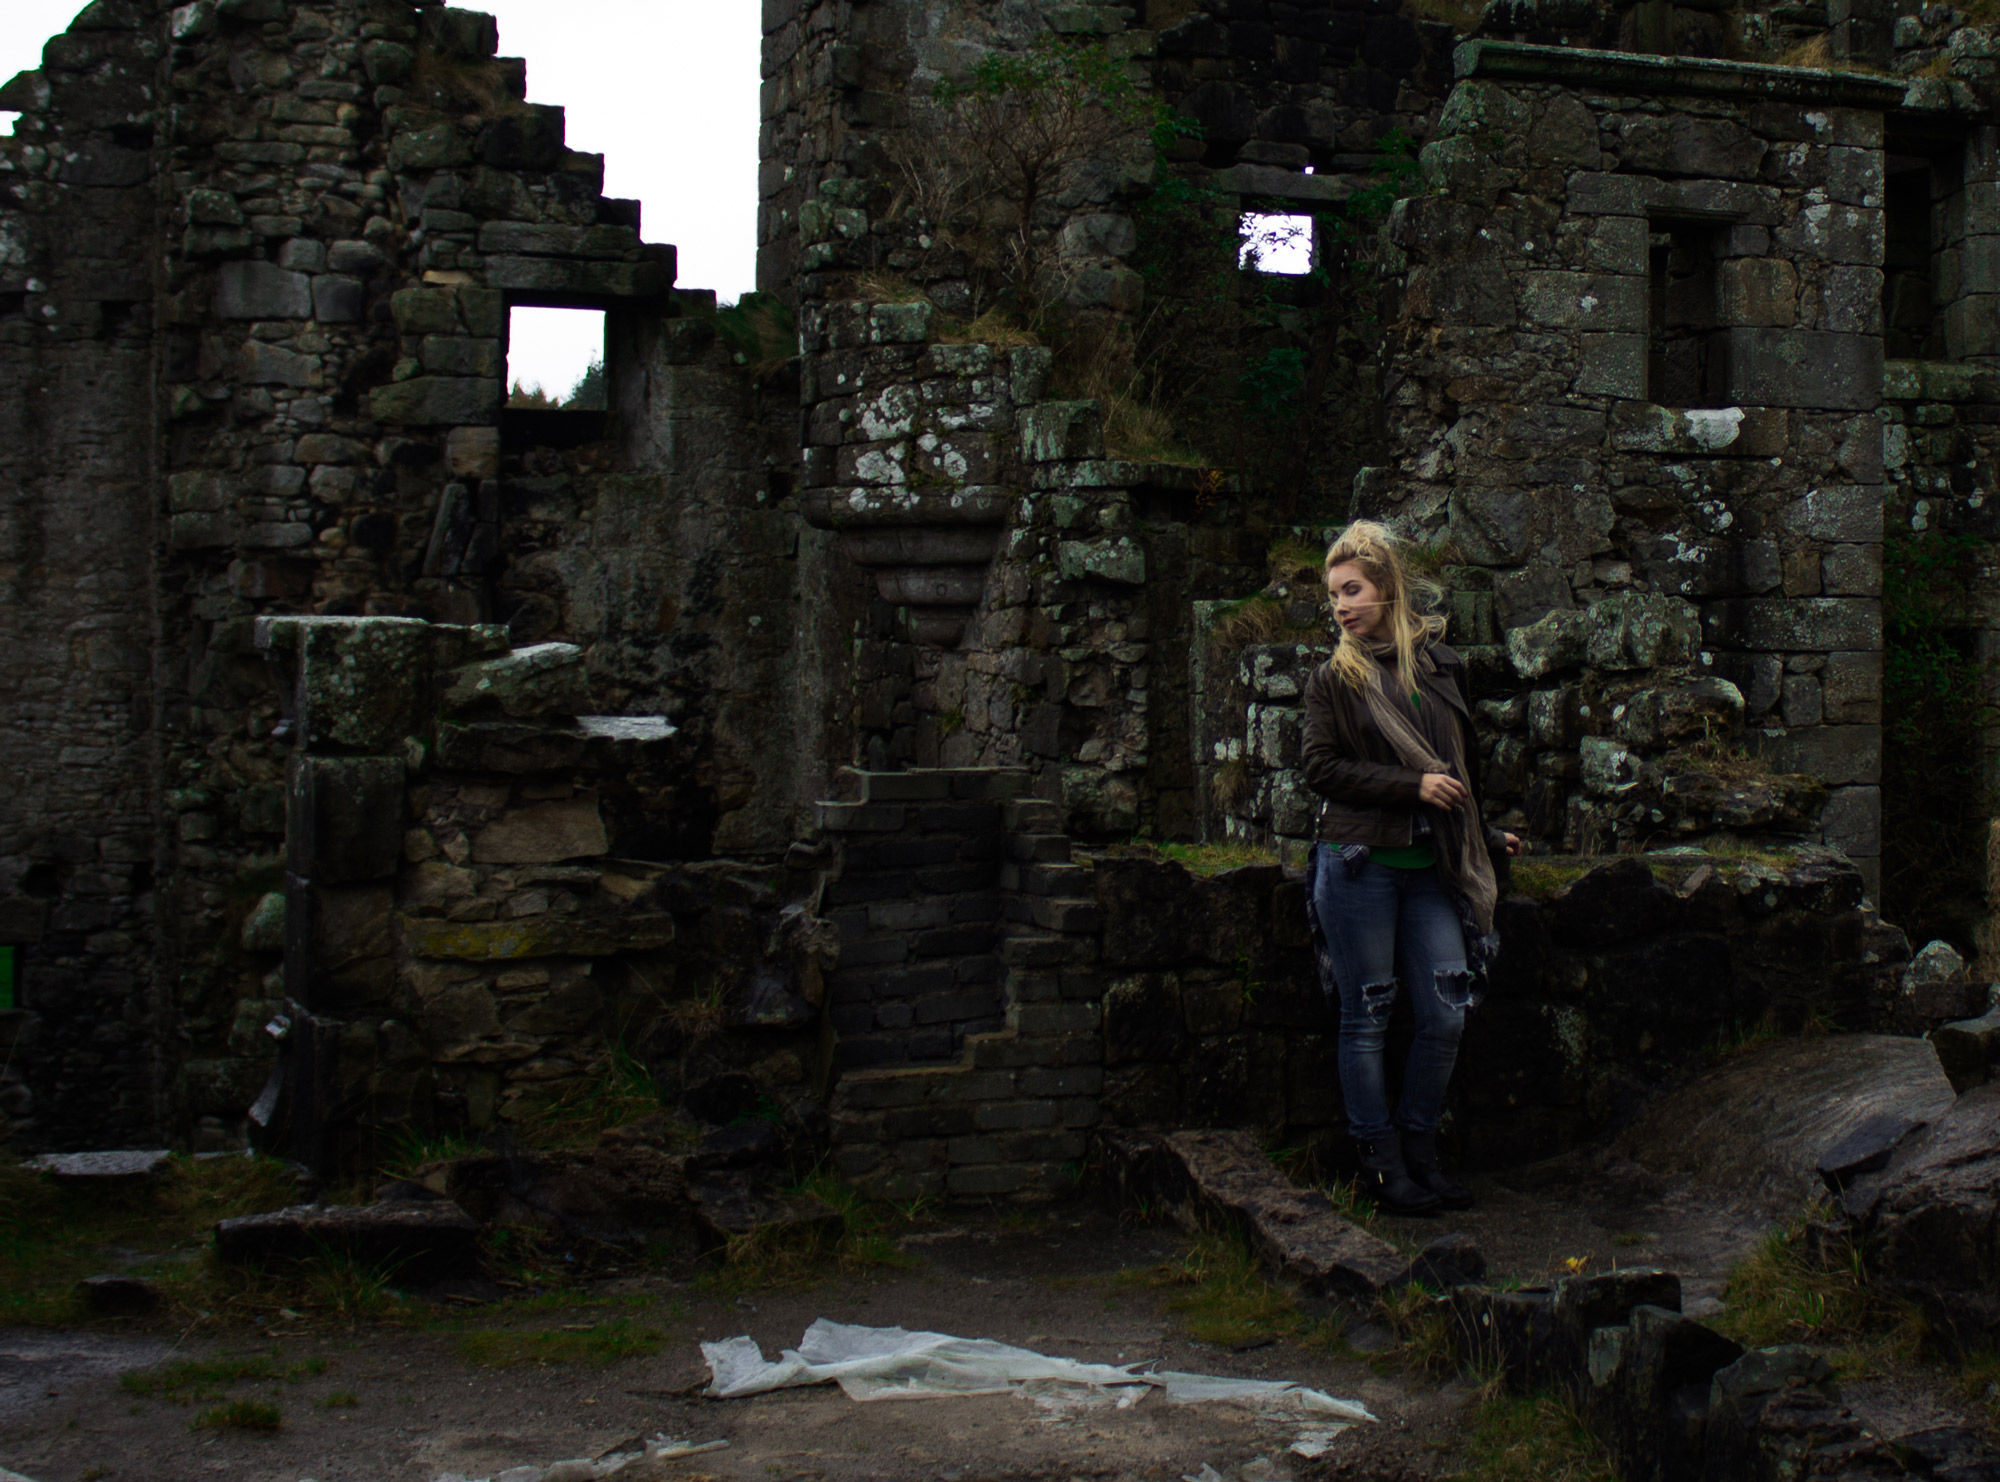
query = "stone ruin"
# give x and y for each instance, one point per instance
(805, 725)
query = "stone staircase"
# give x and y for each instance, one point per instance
(1008, 1114)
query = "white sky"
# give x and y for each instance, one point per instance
(666, 90)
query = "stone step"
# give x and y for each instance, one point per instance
(1208, 1179)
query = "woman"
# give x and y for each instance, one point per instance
(1401, 878)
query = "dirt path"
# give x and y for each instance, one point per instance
(422, 1408)
(411, 1404)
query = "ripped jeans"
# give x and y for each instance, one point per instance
(1384, 925)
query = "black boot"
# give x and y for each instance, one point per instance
(1384, 1181)
(1420, 1157)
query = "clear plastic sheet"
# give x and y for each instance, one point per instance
(891, 1363)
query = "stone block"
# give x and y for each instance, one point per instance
(261, 364)
(1802, 624)
(1834, 233)
(1557, 641)
(1852, 821)
(1612, 365)
(1851, 688)
(344, 818)
(1972, 326)
(358, 682)
(1838, 512)
(426, 1239)
(1758, 292)
(1851, 571)
(1673, 143)
(1804, 368)
(461, 355)
(440, 147)
(582, 278)
(425, 310)
(262, 290)
(1598, 302)
(437, 401)
(1119, 560)
(543, 680)
(1836, 755)
(544, 833)
(537, 239)
(1640, 631)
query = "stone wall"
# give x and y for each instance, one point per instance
(1707, 466)
(79, 461)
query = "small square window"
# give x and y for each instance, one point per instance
(1269, 243)
(555, 360)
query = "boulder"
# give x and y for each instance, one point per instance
(416, 1241)
(1930, 1221)
(1968, 1049)
(1753, 1131)
(1936, 989)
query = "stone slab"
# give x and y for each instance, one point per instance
(1208, 1177)
(429, 1239)
(128, 1163)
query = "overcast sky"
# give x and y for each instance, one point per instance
(666, 90)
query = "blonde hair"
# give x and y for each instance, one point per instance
(1408, 602)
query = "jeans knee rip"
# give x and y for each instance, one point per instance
(1377, 999)
(1454, 989)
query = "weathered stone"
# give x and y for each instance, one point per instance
(90, 1167)
(544, 833)
(546, 679)
(1935, 986)
(735, 1206)
(1204, 1177)
(261, 290)
(118, 1296)
(1968, 1049)
(418, 1241)
(538, 936)
(1554, 643)
(1641, 631)
(1805, 1097)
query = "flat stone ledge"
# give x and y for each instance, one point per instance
(1615, 71)
(88, 1167)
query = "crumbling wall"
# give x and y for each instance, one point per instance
(271, 251)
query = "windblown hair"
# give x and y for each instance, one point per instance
(1409, 600)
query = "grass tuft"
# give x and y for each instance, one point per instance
(1213, 859)
(1221, 1296)
(1805, 1284)
(241, 1415)
(620, 1090)
(780, 1260)
(1532, 1438)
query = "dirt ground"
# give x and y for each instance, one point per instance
(422, 1409)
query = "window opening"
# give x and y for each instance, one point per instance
(1275, 243)
(1684, 350)
(555, 360)
(10, 988)
(1917, 190)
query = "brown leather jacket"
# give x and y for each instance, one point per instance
(1369, 796)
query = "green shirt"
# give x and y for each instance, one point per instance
(1420, 856)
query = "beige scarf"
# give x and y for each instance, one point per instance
(1461, 833)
